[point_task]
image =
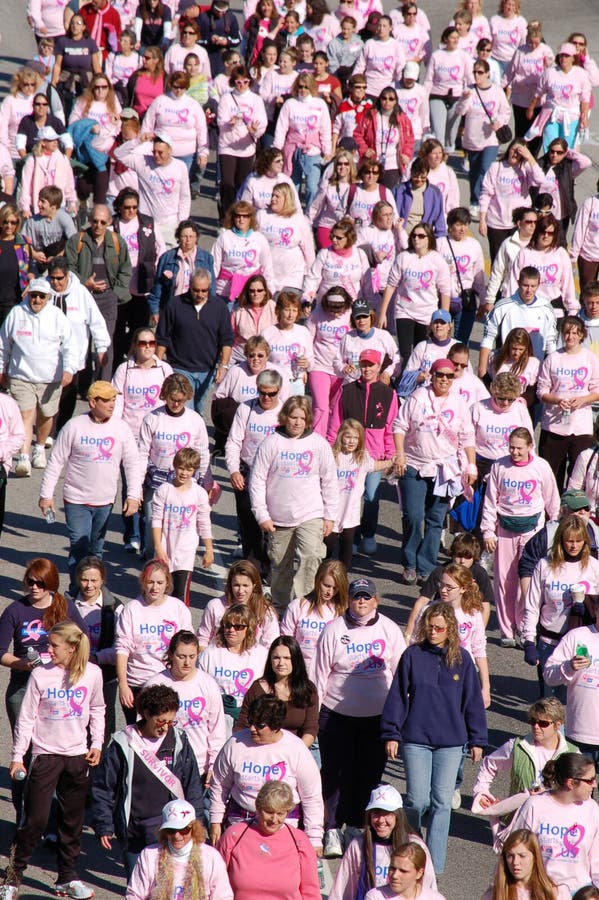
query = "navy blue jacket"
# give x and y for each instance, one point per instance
(430, 703)
(434, 213)
(163, 288)
(194, 341)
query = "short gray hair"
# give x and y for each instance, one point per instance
(201, 273)
(269, 378)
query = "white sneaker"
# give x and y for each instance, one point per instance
(333, 843)
(132, 546)
(38, 457)
(456, 800)
(23, 466)
(474, 210)
(75, 889)
(9, 892)
(49, 443)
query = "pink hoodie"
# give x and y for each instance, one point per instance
(139, 391)
(347, 879)
(201, 713)
(55, 715)
(519, 491)
(91, 454)
(582, 711)
(242, 767)
(568, 375)
(585, 237)
(419, 281)
(492, 428)
(212, 617)
(294, 480)
(237, 114)
(549, 597)
(378, 441)
(505, 188)
(183, 516)
(568, 834)
(557, 279)
(143, 633)
(183, 119)
(162, 434)
(145, 875)
(327, 333)
(354, 666)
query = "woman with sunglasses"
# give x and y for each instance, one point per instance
(328, 325)
(523, 74)
(16, 260)
(289, 237)
(434, 708)
(148, 763)
(445, 89)
(240, 251)
(148, 82)
(565, 818)
(30, 125)
(568, 386)
(410, 34)
(440, 174)
(268, 172)
(241, 119)
(24, 85)
(343, 264)
(100, 103)
(76, 59)
(234, 658)
(254, 310)
(566, 92)
(583, 58)
(332, 200)
(367, 192)
(181, 863)
(419, 281)
(562, 166)
(188, 41)
(384, 132)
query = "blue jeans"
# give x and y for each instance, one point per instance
(86, 528)
(370, 513)
(430, 781)
(421, 507)
(463, 323)
(309, 167)
(131, 524)
(480, 162)
(200, 381)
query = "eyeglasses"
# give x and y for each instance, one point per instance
(235, 626)
(268, 393)
(529, 221)
(28, 84)
(337, 237)
(39, 103)
(34, 294)
(35, 582)
(388, 97)
(99, 221)
(257, 290)
(129, 206)
(259, 726)
(437, 629)
(11, 222)
(164, 723)
(504, 399)
(592, 780)
(449, 375)
(188, 32)
(420, 237)
(256, 355)
(185, 830)
(146, 343)
(549, 231)
(303, 87)
(542, 723)
(557, 150)
(448, 587)
(479, 72)
(101, 87)
(342, 163)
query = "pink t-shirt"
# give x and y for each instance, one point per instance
(183, 517)
(212, 617)
(448, 70)
(568, 375)
(582, 710)
(524, 72)
(143, 633)
(382, 62)
(351, 477)
(507, 35)
(565, 90)
(519, 491)
(327, 333)
(493, 426)
(419, 281)
(234, 673)
(585, 238)
(288, 345)
(139, 391)
(555, 269)
(306, 627)
(549, 597)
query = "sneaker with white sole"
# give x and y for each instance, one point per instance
(132, 546)
(49, 443)
(9, 892)
(38, 457)
(75, 889)
(333, 844)
(456, 800)
(23, 466)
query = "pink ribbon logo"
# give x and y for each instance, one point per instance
(165, 637)
(376, 653)
(514, 37)
(243, 681)
(311, 122)
(551, 273)
(349, 483)
(413, 44)
(412, 104)
(272, 775)
(195, 718)
(567, 91)
(133, 243)
(76, 708)
(105, 450)
(187, 514)
(250, 257)
(579, 377)
(448, 414)
(285, 236)
(32, 630)
(168, 186)
(527, 490)
(454, 73)
(425, 279)
(539, 66)
(104, 119)
(304, 464)
(183, 115)
(463, 263)
(464, 631)
(465, 394)
(293, 351)
(183, 440)
(586, 586)
(151, 395)
(572, 838)
(491, 107)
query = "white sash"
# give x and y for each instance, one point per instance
(156, 767)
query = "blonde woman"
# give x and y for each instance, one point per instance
(63, 698)
(19, 103)
(289, 236)
(100, 103)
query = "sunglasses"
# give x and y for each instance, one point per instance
(542, 723)
(549, 231)
(257, 290)
(242, 81)
(529, 221)
(129, 206)
(34, 294)
(256, 355)
(101, 87)
(259, 726)
(592, 780)
(185, 830)
(243, 215)
(57, 277)
(268, 393)
(557, 150)
(460, 365)
(437, 629)
(234, 626)
(420, 237)
(165, 723)
(39, 103)
(188, 32)
(146, 343)
(35, 582)
(99, 222)
(11, 222)
(449, 375)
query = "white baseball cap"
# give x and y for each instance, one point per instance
(386, 797)
(177, 814)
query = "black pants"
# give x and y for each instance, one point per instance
(560, 449)
(252, 536)
(131, 714)
(496, 237)
(130, 316)
(353, 762)
(233, 172)
(340, 545)
(96, 182)
(108, 307)
(68, 401)
(409, 333)
(181, 585)
(69, 777)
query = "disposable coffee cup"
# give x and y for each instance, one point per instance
(578, 592)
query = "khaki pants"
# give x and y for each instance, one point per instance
(303, 542)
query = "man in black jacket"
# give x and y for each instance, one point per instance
(194, 329)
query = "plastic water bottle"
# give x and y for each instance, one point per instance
(320, 870)
(33, 657)
(566, 413)
(50, 516)
(19, 775)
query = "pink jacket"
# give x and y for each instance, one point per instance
(568, 375)
(145, 874)
(353, 676)
(236, 113)
(55, 715)
(549, 597)
(183, 516)
(505, 188)
(183, 119)
(519, 491)
(201, 714)
(492, 428)
(245, 325)
(242, 767)
(91, 454)
(143, 633)
(555, 268)
(378, 441)
(294, 480)
(382, 62)
(327, 333)
(162, 434)
(562, 828)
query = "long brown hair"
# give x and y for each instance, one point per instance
(541, 887)
(88, 95)
(43, 569)
(261, 607)
(242, 614)
(471, 598)
(502, 357)
(571, 526)
(401, 834)
(445, 611)
(338, 573)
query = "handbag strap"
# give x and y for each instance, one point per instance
(482, 103)
(457, 268)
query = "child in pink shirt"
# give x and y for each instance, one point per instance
(291, 346)
(181, 515)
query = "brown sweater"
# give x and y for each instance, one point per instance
(299, 721)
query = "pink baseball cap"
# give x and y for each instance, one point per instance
(371, 355)
(442, 364)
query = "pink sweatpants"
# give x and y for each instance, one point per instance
(324, 389)
(506, 581)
